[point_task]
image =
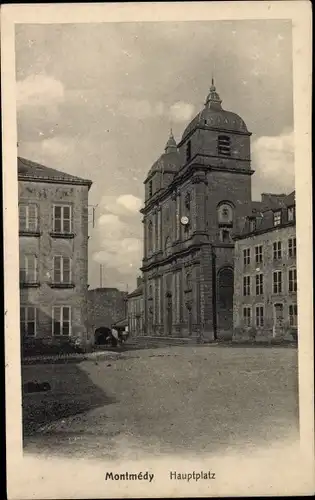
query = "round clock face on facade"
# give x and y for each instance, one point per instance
(184, 220)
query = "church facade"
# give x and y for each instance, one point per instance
(196, 197)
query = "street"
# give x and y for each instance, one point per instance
(186, 400)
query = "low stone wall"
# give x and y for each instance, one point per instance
(265, 335)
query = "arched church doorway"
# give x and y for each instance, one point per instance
(225, 291)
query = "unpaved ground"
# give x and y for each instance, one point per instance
(176, 400)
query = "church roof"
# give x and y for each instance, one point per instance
(214, 116)
(30, 170)
(169, 161)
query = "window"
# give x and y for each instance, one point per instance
(277, 281)
(225, 288)
(277, 250)
(291, 214)
(292, 280)
(292, 247)
(247, 316)
(246, 256)
(188, 151)
(28, 217)
(259, 284)
(225, 235)
(277, 218)
(187, 200)
(150, 188)
(62, 269)
(28, 271)
(252, 225)
(62, 219)
(150, 236)
(246, 286)
(188, 280)
(28, 321)
(293, 315)
(259, 316)
(259, 254)
(224, 145)
(62, 320)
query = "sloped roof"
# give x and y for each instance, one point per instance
(30, 170)
(168, 163)
(265, 217)
(289, 200)
(121, 323)
(137, 292)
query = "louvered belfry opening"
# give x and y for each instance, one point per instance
(224, 145)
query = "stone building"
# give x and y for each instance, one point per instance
(265, 286)
(196, 196)
(53, 240)
(106, 306)
(136, 310)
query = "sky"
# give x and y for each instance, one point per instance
(98, 101)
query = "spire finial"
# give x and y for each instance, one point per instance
(213, 99)
(171, 143)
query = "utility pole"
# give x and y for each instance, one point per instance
(101, 275)
(94, 207)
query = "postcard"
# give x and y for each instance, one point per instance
(158, 249)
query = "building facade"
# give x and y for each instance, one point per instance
(106, 306)
(265, 293)
(136, 310)
(196, 196)
(53, 241)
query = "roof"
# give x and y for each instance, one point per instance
(265, 218)
(32, 171)
(214, 116)
(121, 323)
(289, 200)
(137, 292)
(168, 162)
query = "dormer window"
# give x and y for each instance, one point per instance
(224, 145)
(150, 188)
(277, 218)
(252, 225)
(291, 214)
(188, 151)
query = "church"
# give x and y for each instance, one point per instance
(197, 195)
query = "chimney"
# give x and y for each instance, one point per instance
(139, 281)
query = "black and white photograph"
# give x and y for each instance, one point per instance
(161, 210)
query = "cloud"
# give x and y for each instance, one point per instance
(273, 161)
(119, 246)
(118, 249)
(142, 109)
(130, 202)
(181, 112)
(125, 205)
(39, 90)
